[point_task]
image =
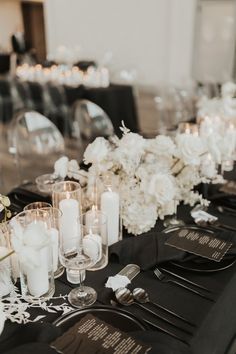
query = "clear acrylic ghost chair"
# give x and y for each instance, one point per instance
(35, 142)
(90, 121)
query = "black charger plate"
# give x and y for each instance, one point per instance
(117, 318)
(200, 264)
(206, 267)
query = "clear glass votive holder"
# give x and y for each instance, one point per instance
(45, 182)
(95, 245)
(32, 244)
(91, 194)
(37, 205)
(66, 196)
(55, 216)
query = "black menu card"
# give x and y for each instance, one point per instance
(91, 335)
(199, 242)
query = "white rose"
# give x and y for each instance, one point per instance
(208, 167)
(73, 169)
(161, 145)
(161, 187)
(131, 141)
(129, 152)
(188, 177)
(190, 148)
(61, 167)
(228, 89)
(97, 151)
(229, 105)
(210, 107)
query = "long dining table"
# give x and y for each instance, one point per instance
(213, 315)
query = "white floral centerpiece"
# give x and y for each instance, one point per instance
(224, 106)
(217, 120)
(152, 174)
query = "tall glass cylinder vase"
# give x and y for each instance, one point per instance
(66, 196)
(55, 217)
(32, 243)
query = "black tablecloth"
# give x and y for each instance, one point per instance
(215, 320)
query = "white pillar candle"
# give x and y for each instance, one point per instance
(69, 222)
(92, 246)
(36, 237)
(37, 277)
(55, 245)
(110, 205)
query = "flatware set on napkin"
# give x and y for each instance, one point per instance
(139, 297)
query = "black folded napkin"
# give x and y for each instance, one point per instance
(39, 335)
(149, 249)
(22, 338)
(35, 348)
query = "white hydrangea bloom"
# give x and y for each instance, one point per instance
(97, 151)
(190, 148)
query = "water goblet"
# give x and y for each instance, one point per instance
(72, 255)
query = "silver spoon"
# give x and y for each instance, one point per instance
(142, 297)
(125, 297)
(157, 326)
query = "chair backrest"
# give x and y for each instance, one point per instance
(35, 142)
(90, 121)
(31, 133)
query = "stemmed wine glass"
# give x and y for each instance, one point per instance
(73, 256)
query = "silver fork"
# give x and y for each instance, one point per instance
(166, 279)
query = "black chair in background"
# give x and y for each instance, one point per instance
(4, 63)
(6, 101)
(22, 49)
